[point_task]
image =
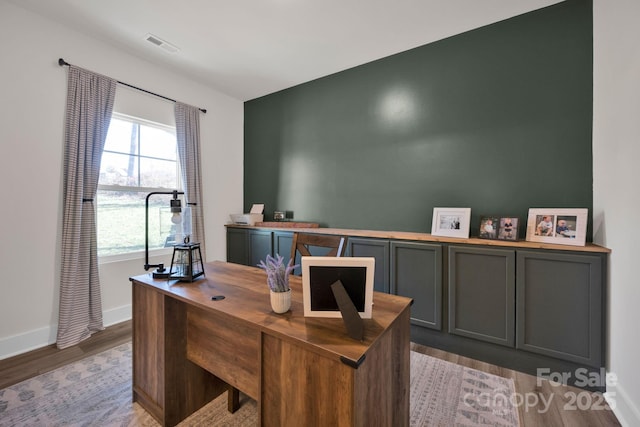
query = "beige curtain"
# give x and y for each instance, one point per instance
(89, 106)
(188, 136)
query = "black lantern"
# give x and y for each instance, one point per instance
(186, 262)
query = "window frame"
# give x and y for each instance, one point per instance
(139, 255)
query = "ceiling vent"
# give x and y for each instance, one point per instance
(161, 43)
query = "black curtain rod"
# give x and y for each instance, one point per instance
(62, 62)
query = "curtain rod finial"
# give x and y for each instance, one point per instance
(62, 62)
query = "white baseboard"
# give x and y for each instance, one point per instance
(623, 407)
(42, 337)
(116, 315)
(32, 340)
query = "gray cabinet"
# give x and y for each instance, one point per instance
(249, 246)
(260, 245)
(560, 305)
(416, 272)
(282, 241)
(511, 305)
(482, 294)
(237, 246)
(375, 248)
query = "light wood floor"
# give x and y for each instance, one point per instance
(24, 366)
(559, 412)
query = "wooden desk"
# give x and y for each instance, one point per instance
(301, 371)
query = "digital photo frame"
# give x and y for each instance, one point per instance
(319, 273)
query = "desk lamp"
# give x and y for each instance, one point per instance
(176, 218)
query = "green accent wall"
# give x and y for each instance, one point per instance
(498, 119)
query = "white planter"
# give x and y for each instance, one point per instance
(280, 301)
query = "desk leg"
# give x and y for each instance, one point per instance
(233, 399)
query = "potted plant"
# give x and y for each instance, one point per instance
(278, 281)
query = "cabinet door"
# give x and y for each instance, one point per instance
(282, 241)
(482, 294)
(416, 272)
(260, 245)
(378, 249)
(237, 246)
(559, 305)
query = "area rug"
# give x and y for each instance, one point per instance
(96, 391)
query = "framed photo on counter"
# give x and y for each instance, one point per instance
(508, 228)
(489, 227)
(451, 222)
(498, 228)
(559, 226)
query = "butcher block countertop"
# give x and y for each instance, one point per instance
(287, 224)
(421, 237)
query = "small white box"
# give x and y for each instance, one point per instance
(251, 218)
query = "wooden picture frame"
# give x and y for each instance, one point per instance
(560, 226)
(451, 222)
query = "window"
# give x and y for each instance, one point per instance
(139, 157)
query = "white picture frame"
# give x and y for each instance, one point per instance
(561, 226)
(319, 273)
(451, 222)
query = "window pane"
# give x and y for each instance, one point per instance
(119, 169)
(158, 173)
(158, 143)
(122, 137)
(121, 218)
(121, 212)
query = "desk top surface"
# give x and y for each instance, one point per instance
(247, 299)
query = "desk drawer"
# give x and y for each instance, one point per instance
(228, 349)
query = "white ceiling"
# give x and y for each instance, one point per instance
(250, 48)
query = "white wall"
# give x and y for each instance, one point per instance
(32, 95)
(616, 153)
